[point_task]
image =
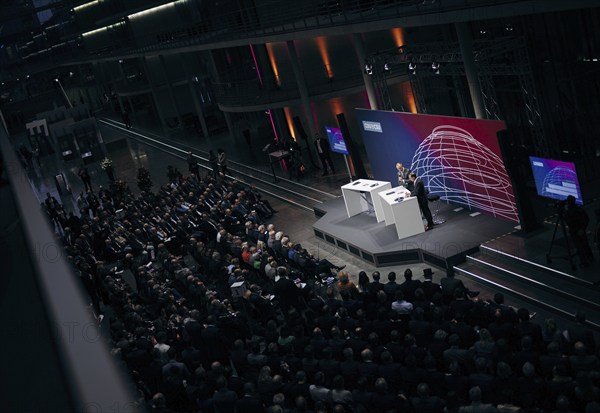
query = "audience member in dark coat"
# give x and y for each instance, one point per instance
(249, 402)
(409, 286)
(429, 287)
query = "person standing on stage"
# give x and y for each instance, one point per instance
(421, 194)
(323, 150)
(402, 174)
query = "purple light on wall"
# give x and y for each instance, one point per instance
(256, 65)
(261, 84)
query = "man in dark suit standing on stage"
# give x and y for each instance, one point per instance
(324, 152)
(421, 194)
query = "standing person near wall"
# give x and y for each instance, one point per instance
(193, 166)
(126, 119)
(214, 163)
(222, 158)
(85, 177)
(323, 149)
(578, 220)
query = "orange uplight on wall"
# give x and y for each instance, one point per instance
(273, 63)
(336, 106)
(409, 98)
(398, 36)
(322, 45)
(289, 122)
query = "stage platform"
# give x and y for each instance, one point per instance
(444, 246)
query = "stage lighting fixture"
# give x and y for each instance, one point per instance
(435, 66)
(386, 67)
(412, 67)
(368, 69)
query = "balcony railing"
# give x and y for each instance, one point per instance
(250, 93)
(278, 18)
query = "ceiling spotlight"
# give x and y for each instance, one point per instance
(27, 77)
(412, 66)
(71, 74)
(120, 60)
(369, 69)
(386, 67)
(56, 80)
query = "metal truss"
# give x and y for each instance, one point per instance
(500, 57)
(490, 100)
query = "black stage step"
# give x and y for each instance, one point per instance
(543, 287)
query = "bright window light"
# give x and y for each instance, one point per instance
(155, 9)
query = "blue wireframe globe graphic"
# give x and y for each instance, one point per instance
(560, 178)
(463, 171)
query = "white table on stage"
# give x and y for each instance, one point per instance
(356, 202)
(388, 199)
(403, 211)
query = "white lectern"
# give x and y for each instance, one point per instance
(355, 194)
(389, 198)
(403, 211)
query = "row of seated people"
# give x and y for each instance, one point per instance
(192, 344)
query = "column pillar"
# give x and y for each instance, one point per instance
(194, 92)
(116, 88)
(128, 98)
(100, 87)
(159, 111)
(302, 88)
(466, 49)
(170, 87)
(215, 73)
(359, 48)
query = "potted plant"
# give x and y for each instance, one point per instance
(107, 166)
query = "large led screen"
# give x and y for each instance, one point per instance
(457, 158)
(556, 179)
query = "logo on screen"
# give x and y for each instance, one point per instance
(372, 126)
